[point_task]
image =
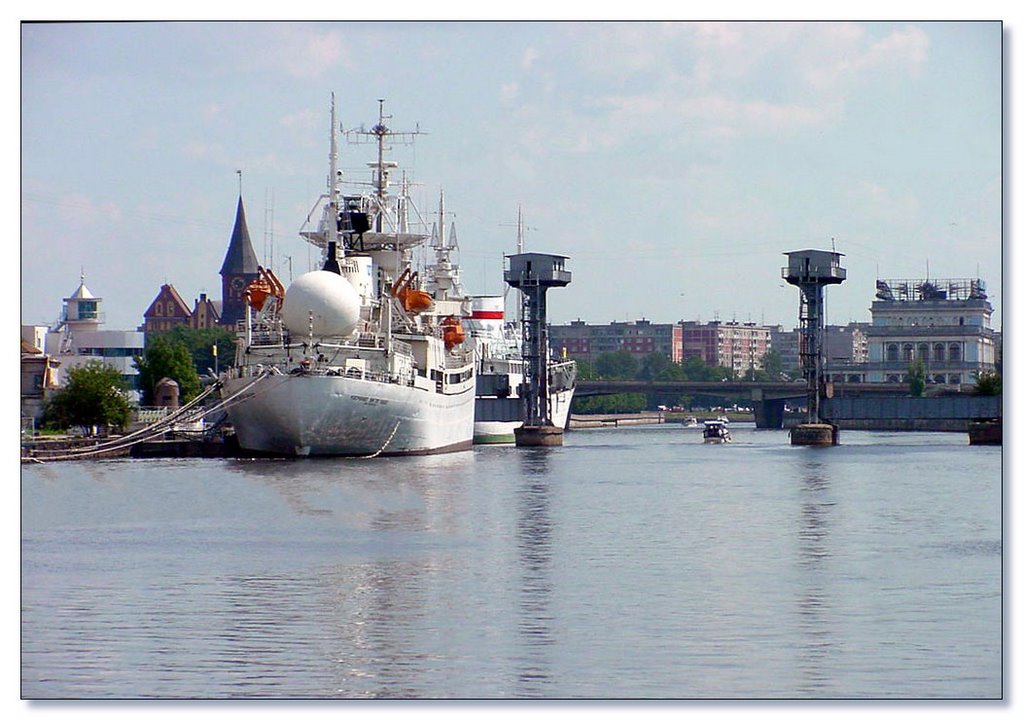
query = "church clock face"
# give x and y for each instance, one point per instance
(237, 284)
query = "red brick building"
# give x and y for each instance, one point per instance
(167, 310)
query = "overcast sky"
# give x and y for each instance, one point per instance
(674, 163)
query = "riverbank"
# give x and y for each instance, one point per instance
(56, 448)
(72, 448)
(579, 421)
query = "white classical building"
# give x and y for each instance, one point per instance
(947, 324)
(79, 338)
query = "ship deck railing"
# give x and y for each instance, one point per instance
(271, 341)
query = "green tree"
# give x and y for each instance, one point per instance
(771, 362)
(95, 395)
(620, 365)
(200, 343)
(988, 383)
(916, 376)
(671, 372)
(166, 358)
(585, 370)
(652, 365)
(696, 369)
(612, 403)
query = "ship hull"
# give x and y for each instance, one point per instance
(317, 415)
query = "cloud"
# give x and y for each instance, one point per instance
(530, 56)
(199, 150)
(508, 93)
(906, 48)
(213, 111)
(713, 115)
(873, 201)
(304, 51)
(602, 85)
(83, 210)
(845, 58)
(302, 120)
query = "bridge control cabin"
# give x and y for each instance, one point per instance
(537, 269)
(813, 267)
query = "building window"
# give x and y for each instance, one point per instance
(922, 352)
(939, 351)
(892, 352)
(908, 351)
(87, 310)
(954, 351)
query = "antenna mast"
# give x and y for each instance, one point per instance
(381, 134)
(332, 182)
(520, 249)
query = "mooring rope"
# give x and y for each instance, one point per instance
(151, 431)
(381, 449)
(147, 432)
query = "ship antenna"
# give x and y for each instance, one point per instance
(440, 222)
(519, 231)
(380, 134)
(381, 131)
(332, 187)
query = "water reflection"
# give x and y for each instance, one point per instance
(375, 609)
(534, 531)
(815, 507)
(373, 530)
(814, 601)
(421, 494)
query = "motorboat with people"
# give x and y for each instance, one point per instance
(717, 431)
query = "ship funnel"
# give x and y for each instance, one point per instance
(331, 264)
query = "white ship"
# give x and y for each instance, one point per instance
(500, 370)
(355, 359)
(500, 373)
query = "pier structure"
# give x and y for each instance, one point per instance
(811, 271)
(532, 274)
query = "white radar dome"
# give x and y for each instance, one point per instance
(332, 301)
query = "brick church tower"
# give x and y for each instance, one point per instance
(239, 269)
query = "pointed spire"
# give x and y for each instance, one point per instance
(82, 292)
(241, 257)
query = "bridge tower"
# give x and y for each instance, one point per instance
(811, 271)
(532, 274)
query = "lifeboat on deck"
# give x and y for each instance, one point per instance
(453, 331)
(413, 300)
(265, 286)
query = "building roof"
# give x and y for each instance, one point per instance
(241, 257)
(82, 293)
(168, 292)
(205, 306)
(27, 347)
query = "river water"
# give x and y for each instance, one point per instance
(630, 564)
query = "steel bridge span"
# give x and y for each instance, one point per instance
(768, 399)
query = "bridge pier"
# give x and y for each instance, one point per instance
(769, 413)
